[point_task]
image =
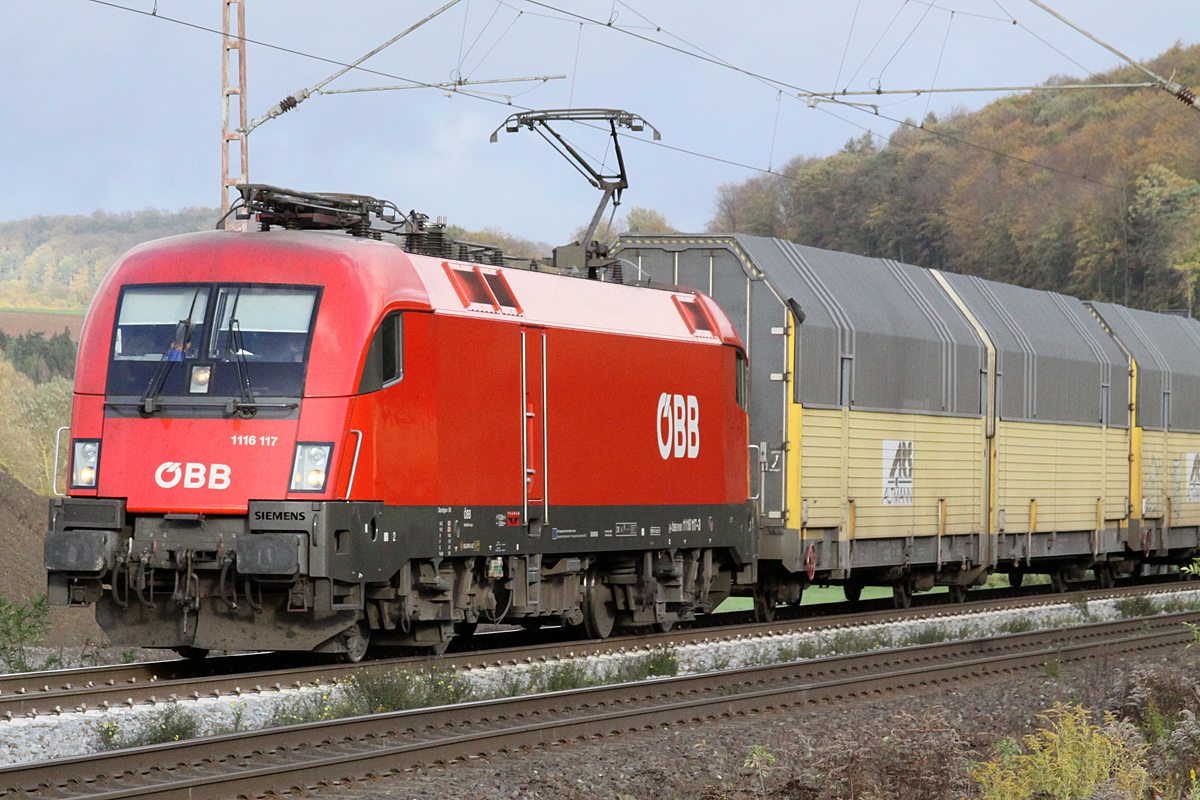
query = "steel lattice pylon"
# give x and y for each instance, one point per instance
(233, 64)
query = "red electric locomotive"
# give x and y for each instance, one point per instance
(313, 439)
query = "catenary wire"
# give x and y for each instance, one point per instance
(709, 59)
(300, 53)
(496, 43)
(846, 49)
(902, 44)
(938, 68)
(875, 46)
(802, 90)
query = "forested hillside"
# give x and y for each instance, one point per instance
(1088, 192)
(57, 262)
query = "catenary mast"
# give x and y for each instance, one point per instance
(233, 85)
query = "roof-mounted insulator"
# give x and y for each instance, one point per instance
(1186, 96)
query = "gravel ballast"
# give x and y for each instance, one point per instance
(71, 733)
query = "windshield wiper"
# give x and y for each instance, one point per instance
(234, 343)
(173, 355)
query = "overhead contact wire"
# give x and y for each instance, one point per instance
(849, 36)
(301, 53)
(802, 90)
(902, 44)
(937, 69)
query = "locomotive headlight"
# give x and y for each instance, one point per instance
(308, 468)
(201, 374)
(85, 462)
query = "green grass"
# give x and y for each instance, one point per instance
(834, 594)
(815, 594)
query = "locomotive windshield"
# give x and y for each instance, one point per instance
(215, 341)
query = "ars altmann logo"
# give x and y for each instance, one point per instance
(897, 472)
(1193, 480)
(678, 426)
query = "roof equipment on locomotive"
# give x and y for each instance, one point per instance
(586, 255)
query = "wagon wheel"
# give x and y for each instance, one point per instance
(958, 594)
(357, 637)
(853, 591)
(1058, 581)
(192, 653)
(764, 605)
(902, 593)
(599, 606)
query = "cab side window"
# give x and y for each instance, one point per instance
(740, 380)
(385, 358)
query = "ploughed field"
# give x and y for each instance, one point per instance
(18, 323)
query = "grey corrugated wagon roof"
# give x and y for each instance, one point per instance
(1167, 350)
(884, 335)
(908, 347)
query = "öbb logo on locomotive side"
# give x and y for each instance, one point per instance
(678, 426)
(194, 476)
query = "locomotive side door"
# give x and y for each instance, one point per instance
(533, 431)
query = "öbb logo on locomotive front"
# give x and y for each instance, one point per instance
(678, 426)
(169, 473)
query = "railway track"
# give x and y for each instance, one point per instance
(300, 756)
(60, 691)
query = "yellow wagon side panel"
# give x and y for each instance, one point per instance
(820, 473)
(1117, 484)
(1182, 471)
(947, 464)
(1058, 472)
(1154, 484)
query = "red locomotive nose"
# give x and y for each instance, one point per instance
(202, 465)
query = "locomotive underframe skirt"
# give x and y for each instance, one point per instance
(293, 575)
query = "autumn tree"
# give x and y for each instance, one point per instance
(646, 220)
(1087, 192)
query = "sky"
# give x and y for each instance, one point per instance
(116, 106)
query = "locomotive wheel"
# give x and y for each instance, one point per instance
(764, 605)
(664, 627)
(958, 594)
(853, 591)
(465, 628)
(358, 637)
(530, 623)
(599, 607)
(902, 594)
(192, 653)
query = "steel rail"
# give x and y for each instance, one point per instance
(301, 756)
(59, 691)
